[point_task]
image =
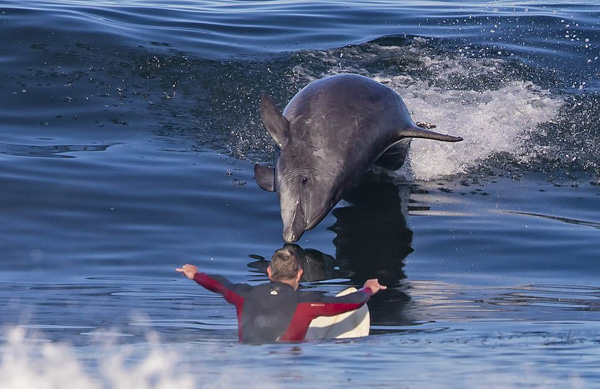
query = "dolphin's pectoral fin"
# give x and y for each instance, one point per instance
(394, 156)
(414, 131)
(265, 177)
(426, 125)
(276, 124)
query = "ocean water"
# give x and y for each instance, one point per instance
(128, 134)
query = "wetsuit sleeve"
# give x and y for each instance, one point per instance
(233, 293)
(333, 305)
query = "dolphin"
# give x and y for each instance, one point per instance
(329, 134)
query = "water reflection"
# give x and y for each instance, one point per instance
(372, 240)
(48, 151)
(317, 266)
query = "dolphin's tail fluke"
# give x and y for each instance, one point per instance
(415, 131)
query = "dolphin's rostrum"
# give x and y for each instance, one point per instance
(330, 133)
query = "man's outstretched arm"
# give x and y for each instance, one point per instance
(217, 284)
(330, 305)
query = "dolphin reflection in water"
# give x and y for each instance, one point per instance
(372, 241)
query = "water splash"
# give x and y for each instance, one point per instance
(28, 362)
(490, 102)
(491, 122)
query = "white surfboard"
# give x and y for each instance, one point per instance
(353, 324)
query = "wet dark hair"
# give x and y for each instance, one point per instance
(284, 264)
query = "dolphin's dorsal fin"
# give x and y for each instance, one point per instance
(414, 131)
(265, 177)
(276, 124)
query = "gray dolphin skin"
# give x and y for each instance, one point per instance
(329, 134)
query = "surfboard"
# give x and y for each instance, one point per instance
(353, 324)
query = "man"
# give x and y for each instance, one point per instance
(277, 311)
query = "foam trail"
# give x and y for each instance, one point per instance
(491, 122)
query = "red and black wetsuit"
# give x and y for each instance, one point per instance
(274, 311)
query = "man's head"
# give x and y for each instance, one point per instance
(285, 267)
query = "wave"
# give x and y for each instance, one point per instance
(514, 114)
(479, 99)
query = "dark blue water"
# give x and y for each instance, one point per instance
(128, 132)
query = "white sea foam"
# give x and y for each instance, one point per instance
(53, 366)
(28, 361)
(491, 121)
(494, 120)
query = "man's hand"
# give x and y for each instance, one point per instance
(188, 270)
(374, 285)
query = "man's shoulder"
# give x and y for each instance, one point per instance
(306, 296)
(359, 296)
(273, 288)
